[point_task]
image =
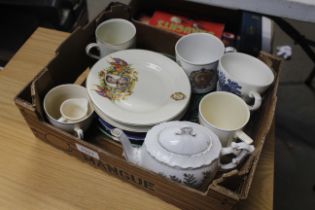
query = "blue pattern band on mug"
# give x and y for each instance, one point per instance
(228, 85)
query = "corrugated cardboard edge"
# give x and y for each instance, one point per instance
(275, 64)
(249, 169)
(36, 101)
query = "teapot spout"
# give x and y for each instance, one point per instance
(131, 153)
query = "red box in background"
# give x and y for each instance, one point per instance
(183, 25)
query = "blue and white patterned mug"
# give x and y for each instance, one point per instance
(245, 76)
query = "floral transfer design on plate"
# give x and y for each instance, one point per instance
(228, 85)
(117, 81)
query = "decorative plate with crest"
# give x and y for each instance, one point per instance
(138, 87)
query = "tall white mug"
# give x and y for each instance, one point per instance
(198, 54)
(225, 114)
(112, 35)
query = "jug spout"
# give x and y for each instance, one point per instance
(132, 154)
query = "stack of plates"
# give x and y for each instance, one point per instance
(136, 89)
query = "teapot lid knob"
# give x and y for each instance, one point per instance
(186, 131)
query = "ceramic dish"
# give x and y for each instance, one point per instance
(138, 87)
(108, 134)
(130, 128)
(131, 135)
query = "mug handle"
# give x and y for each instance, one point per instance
(88, 49)
(258, 100)
(79, 132)
(240, 150)
(243, 136)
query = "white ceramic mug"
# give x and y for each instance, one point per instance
(56, 97)
(198, 54)
(112, 35)
(225, 114)
(244, 75)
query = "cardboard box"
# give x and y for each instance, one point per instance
(70, 63)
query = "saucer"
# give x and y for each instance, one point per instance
(140, 88)
(109, 135)
(130, 128)
(106, 127)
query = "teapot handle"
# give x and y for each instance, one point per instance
(240, 150)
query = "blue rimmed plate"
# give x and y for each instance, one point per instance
(107, 128)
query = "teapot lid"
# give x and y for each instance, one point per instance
(182, 144)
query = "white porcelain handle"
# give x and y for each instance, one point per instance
(79, 132)
(88, 49)
(243, 137)
(257, 102)
(240, 150)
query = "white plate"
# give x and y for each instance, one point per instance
(157, 88)
(137, 129)
(130, 128)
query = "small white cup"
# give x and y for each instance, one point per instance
(225, 114)
(112, 35)
(245, 76)
(74, 109)
(57, 97)
(198, 54)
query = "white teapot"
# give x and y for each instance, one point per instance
(183, 151)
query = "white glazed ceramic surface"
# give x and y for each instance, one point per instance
(183, 151)
(111, 36)
(225, 114)
(74, 109)
(53, 100)
(181, 143)
(139, 129)
(108, 128)
(244, 75)
(192, 177)
(157, 89)
(198, 54)
(130, 128)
